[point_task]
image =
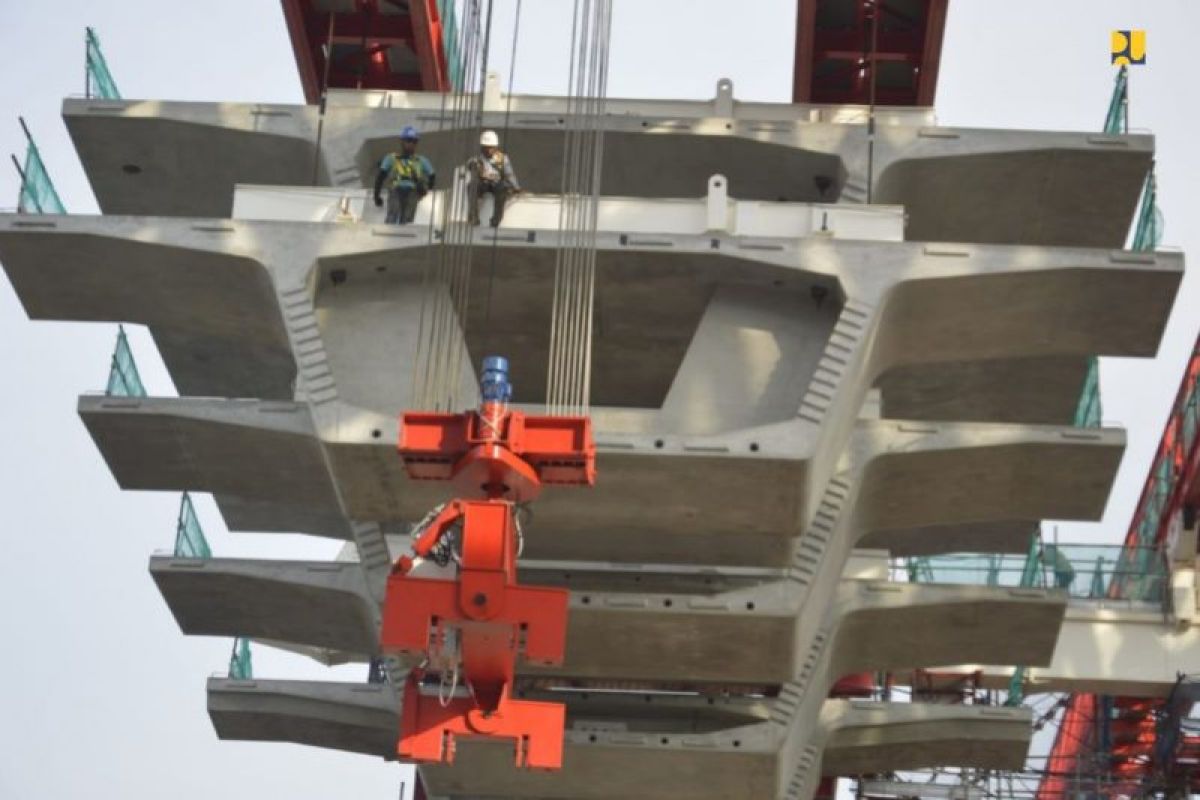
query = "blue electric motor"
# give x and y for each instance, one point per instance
(493, 382)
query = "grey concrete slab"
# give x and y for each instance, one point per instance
(256, 448)
(323, 604)
(870, 738)
(653, 505)
(1008, 186)
(227, 339)
(930, 310)
(657, 759)
(747, 636)
(1043, 390)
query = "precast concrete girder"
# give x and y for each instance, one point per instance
(1111, 647)
(661, 735)
(669, 640)
(922, 321)
(1009, 186)
(659, 505)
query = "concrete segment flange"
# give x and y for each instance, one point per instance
(680, 764)
(1009, 186)
(983, 475)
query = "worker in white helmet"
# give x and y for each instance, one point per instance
(491, 172)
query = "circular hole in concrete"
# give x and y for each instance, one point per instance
(665, 740)
(131, 169)
(754, 447)
(668, 602)
(749, 606)
(737, 742)
(376, 433)
(592, 738)
(586, 600)
(658, 443)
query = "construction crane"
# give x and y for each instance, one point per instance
(454, 602)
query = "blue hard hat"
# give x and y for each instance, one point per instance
(409, 134)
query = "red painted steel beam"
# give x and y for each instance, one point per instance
(849, 47)
(427, 26)
(294, 13)
(931, 58)
(419, 30)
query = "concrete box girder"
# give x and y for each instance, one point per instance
(669, 640)
(1009, 307)
(1009, 186)
(658, 505)
(363, 719)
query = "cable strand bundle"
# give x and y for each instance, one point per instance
(441, 339)
(568, 381)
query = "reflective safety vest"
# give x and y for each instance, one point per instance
(492, 169)
(409, 170)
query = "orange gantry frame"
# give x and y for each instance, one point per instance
(481, 621)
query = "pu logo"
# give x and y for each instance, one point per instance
(1128, 47)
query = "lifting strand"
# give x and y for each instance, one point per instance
(568, 382)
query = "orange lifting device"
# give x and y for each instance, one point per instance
(480, 621)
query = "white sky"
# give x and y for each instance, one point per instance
(100, 695)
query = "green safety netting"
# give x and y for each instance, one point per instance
(100, 81)
(1149, 229)
(123, 377)
(450, 43)
(189, 536)
(1117, 118)
(240, 666)
(1087, 411)
(37, 194)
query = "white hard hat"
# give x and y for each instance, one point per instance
(489, 139)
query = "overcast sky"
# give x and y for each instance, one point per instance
(100, 695)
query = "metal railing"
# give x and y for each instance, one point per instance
(1085, 571)
(123, 377)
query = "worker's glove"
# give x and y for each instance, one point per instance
(378, 201)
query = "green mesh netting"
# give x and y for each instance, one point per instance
(1117, 118)
(1087, 412)
(123, 377)
(1148, 232)
(100, 81)
(37, 194)
(240, 666)
(450, 43)
(189, 536)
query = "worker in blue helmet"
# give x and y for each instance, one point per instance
(407, 176)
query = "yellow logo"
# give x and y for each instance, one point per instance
(1128, 47)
